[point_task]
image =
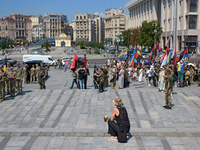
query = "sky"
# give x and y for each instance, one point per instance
(67, 7)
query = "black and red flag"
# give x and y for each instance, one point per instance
(73, 64)
(152, 53)
(182, 53)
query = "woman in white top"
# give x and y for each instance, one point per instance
(134, 73)
(140, 75)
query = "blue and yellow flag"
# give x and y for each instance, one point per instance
(133, 54)
(122, 55)
(5, 64)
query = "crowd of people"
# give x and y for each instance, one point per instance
(164, 77)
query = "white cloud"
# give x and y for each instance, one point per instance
(100, 14)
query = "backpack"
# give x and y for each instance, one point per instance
(121, 137)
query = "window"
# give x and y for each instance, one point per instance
(193, 5)
(169, 1)
(164, 2)
(77, 17)
(192, 22)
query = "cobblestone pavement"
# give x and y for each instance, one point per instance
(61, 118)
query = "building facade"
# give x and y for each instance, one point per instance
(88, 27)
(36, 20)
(17, 27)
(52, 25)
(38, 32)
(188, 22)
(115, 23)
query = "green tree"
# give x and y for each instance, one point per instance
(3, 45)
(42, 46)
(126, 38)
(47, 46)
(96, 51)
(146, 37)
(135, 33)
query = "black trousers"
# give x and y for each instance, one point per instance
(101, 86)
(113, 128)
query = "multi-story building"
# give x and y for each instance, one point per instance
(115, 23)
(68, 30)
(36, 20)
(99, 29)
(17, 27)
(88, 27)
(38, 32)
(52, 25)
(188, 24)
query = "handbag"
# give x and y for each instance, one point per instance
(121, 137)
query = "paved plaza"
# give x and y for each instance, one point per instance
(61, 118)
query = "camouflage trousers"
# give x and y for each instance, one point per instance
(168, 98)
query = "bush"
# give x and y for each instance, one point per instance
(96, 51)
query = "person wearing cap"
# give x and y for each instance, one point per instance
(25, 73)
(18, 78)
(37, 70)
(7, 80)
(119, 118)
(32, 77)
(2, 83)
(11, 77)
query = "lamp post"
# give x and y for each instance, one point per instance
(155, 31)
(175, 23)
(118, 40)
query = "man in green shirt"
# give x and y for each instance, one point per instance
(168, 87)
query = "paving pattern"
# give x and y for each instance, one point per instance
(61, 118)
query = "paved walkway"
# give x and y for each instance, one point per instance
(60, 118)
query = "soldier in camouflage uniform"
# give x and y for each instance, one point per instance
(37, 70)
(11, 78)
(25, 73)
(199, 78)
(2, 83)
(32, 75)
(7, 80)
(18, 78)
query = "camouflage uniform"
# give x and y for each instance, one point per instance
(2, 83)
(32, 77)
(25, 74)
(11, 78)
(7, 80)
(18, 78)
(37, 70)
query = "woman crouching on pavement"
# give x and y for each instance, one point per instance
(119, 119)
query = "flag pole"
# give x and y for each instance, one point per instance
(175, 23)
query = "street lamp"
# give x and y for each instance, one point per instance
(155, 31)
(118, 40)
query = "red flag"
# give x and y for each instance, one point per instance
(182, 53)
(152, 52)
(85, 62)
(175, 58)
(73, 64)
